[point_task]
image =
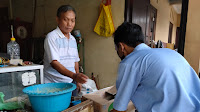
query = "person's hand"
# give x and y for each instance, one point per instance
(79, 86)
(80, 78)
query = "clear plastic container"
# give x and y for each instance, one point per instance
(13, 49)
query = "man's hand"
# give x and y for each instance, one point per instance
(80, 78)
(79, 86)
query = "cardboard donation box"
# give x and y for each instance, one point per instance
(103, 98)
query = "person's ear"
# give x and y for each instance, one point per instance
(57, 19)
(121, 46)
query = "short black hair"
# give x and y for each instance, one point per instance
(129, 33)
(65, 8)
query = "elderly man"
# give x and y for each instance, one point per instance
(61, 54)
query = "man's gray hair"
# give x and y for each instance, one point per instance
(65, 8)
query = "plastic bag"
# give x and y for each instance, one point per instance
(9, 105)
(88, 87)
(104, 25)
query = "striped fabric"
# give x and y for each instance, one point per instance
(58, 47)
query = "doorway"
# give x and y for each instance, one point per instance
(177, 37)
(136, 11)
(131, 12)
(151, 25)
(144, 14)
(170, 32)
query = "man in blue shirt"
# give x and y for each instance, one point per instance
(154, 79)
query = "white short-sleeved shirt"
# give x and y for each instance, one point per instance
(64, 50)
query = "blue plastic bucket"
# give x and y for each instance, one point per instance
(51, 97)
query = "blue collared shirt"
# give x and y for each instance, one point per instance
(157, 80)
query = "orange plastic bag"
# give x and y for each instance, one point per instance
(104, 25)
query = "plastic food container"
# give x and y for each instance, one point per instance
(51, 97)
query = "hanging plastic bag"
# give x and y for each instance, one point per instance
(104, 25)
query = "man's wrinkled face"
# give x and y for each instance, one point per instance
(66, 21)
